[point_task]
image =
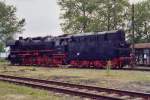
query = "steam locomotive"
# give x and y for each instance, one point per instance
(93, 49)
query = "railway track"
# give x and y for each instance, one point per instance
(134, 69)
(78, 90)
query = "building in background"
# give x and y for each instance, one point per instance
(142, 53)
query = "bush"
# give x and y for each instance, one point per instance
(2, 60)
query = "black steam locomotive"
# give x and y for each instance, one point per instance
(80, 50)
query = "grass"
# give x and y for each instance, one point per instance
(129, 80)
(11, 91)
(80, 73)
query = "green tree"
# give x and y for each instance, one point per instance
(92, 15)
(9, 22)
(142, 21)
(77, 15)
(111, 15)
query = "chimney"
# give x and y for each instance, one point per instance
(20, 38)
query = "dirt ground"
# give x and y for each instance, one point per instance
(119, 79)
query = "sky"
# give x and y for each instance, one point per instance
(42, 16)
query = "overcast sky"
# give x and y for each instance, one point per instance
(42, 16)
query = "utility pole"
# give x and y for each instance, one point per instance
(84, 15)
(115, 17)
(133, 37)
(108, 16)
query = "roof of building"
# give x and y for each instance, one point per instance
(142, 45)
